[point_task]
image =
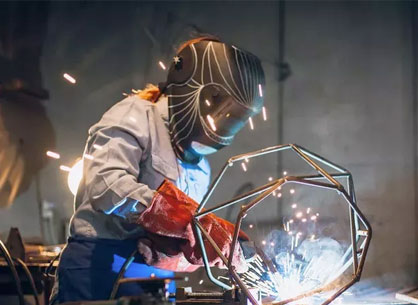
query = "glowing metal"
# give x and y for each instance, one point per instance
(162, 65)
(69, 78)
(211, 122)
(264, 113)
(53, 154)
(65, 168)
(250, 120)
(260, 90)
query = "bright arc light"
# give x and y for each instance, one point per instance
(162, 65)
(69, 78)
(74, 176)
(251, 123)
(211, 122)
(53, 154)
(260, 90)
(264, 113)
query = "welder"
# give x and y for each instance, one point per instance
(145, 172)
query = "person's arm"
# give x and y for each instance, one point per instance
(111, 177)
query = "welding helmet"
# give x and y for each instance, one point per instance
(212, 89)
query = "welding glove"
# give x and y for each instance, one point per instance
(170, 216)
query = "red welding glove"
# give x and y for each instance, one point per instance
(164, 253)
(170, 214)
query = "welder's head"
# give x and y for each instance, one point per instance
(213, 89)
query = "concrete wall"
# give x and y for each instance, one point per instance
(349, 97)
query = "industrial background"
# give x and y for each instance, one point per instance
(341, 81)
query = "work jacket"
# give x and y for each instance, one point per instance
(127, 156)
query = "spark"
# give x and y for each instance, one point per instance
(247, 160)
(162, 65)
(313, 237)
(211, 122)
(207, 102)
(263, 242)
(291, 221)
(264, 113)
(279, 195)
(292, 191)
(244, 167)
(284, 173)
(272, 244)
(97, 146)
(89, 157)
(152, 275)
(251, 226)
(313, 217)
(317, 214)
(299, 215)
(260, 90)
(303, 219)
(270, 178)
(65, 168)
(69, 78)
(53, 154)
(294, 206)
(251, 123)
(200, 282)
(308, 210)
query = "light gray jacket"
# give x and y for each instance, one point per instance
(127, 156)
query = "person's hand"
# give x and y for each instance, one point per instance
(170, 214)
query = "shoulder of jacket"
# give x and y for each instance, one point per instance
(130, 113)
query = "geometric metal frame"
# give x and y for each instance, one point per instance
(360, 239)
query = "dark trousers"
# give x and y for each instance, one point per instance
(88, 269)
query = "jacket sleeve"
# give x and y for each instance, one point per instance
(111, 175)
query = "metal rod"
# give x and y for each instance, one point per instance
(121, 273)
(30, 279)
(315, 166)
(212, 187)
(199, 229)
(322, 160)
(236, 199)
(260, 152)
(9, 261)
